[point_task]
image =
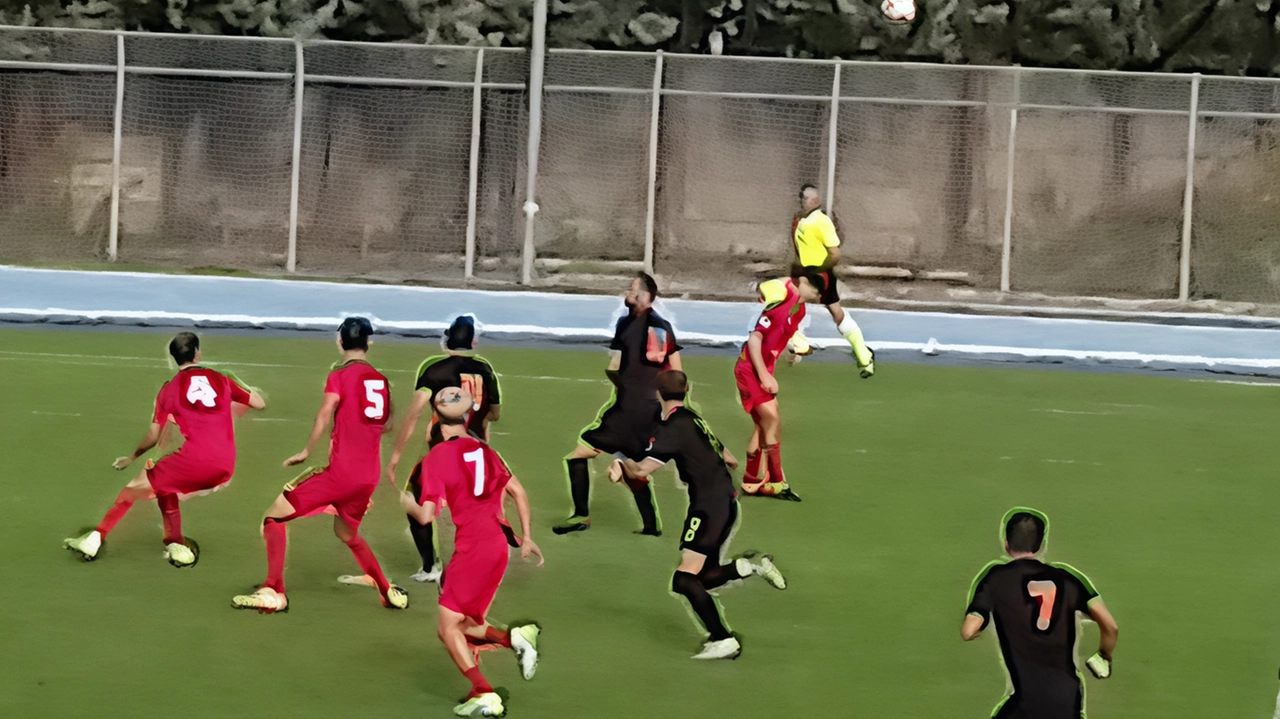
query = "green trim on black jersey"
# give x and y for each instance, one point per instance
(1078, 575)
(423, 368)
(973, 586)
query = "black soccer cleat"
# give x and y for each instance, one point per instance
(647, 532)
(572, 524)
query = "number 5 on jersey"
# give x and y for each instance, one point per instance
(375, 395)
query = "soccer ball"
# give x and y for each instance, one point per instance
(899, 11)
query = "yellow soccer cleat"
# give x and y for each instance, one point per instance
(395, 598)
(266, 600)
(488, 704)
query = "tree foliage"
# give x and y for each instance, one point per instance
(1219, 36)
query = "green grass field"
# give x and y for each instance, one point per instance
(1162, 490)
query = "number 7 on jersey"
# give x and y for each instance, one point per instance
(476, 457)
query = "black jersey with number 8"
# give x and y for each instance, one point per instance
(1034, 606)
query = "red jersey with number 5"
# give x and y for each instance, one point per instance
(776, 324)
(472, 478)
(198, 400)
(364, 406)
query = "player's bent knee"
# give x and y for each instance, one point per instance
(583, 452)
(280, 509)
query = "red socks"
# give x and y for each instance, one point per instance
(497, 636)
(751, 474)
(277, 539)
(122, 505)
(773, 454)
(479, 685)
(172, 517)
(369, 563)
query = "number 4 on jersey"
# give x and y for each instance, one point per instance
(201, 392)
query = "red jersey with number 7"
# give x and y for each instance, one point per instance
(364, 406)
(472, 478)
(776, 325)
(198, 400)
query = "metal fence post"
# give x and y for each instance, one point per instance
(1188, 195)
(117, 136)
(537, 61)
(1007, 246)
(473, 172)
(291, 263)
(833, 131)
(651, 201)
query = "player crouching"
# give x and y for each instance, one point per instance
(703, 464)
(757, 386)
(471, 478)
(357, 399)
(200, 402)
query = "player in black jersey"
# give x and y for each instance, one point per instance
(704, 466)
(457, 367)
(643, 345)
(1034, 607)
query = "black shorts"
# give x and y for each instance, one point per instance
(625, 427)
(830, 296)
(707, 528)
(1067, 702)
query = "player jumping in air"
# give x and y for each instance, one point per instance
(759, 389)
(818, 250)
(1034, 607)
(704, 464)
(457, 367)
(467, 474)
(644, 344)
(357, 399)
(199, 401)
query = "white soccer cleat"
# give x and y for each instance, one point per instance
(432, 576)
(87, 545)
(524, 640)
(723, 649)
(360, 580)
(899, 11)
(266, 600)
(763, 568)
(180, 555)
(485, 705)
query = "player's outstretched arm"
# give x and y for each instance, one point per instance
(420, 401)
(149, 441)
(637, 470)
(527, 546)
(323, 417)
(755, 350)
(256, 401)
(971, 628)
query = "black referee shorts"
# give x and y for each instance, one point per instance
(830, 295)
(624, 426)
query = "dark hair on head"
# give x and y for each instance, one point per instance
(806, 187)
(672, 384)
(815, 278)
(1024, 532)
(461, 335)
(354, 332)
(650, 284)
(183, 348)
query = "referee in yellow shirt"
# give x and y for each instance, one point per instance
(818, 249)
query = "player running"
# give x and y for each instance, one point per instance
(457, 367)
(467, 474)
(703, 464)
(199, 401)
(818, 250)
(1034, 608)
(357, 399)
(759, 389)
(643, 345)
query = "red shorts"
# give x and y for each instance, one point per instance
(472, 577)
(182, 474)
(311, 494)
(749, 389)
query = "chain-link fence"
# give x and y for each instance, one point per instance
(411, 162)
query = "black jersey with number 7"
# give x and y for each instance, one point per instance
(1034, 606)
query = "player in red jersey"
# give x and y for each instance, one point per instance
(199, 401)
(467, 474)
(357, 398)
(759, 389)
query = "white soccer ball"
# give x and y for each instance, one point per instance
(899, 11)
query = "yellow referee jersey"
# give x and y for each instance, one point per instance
(814, 233)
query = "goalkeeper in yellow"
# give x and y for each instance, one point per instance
(818, 250)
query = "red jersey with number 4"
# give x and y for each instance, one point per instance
(472, 478)
(199, 401)
(364, 405)
(776, 324)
